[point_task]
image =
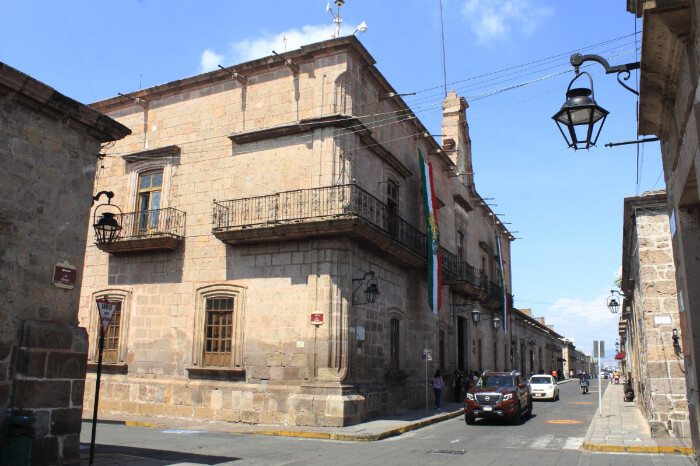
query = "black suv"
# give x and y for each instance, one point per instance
(498, 394)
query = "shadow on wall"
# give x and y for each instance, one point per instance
(146, 267)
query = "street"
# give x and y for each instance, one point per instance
(552, 436)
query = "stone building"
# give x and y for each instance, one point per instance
(48, 149)
(535, 347)
(668, 109)
(260, 203)
(650, 315)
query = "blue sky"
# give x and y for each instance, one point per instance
(566, 205)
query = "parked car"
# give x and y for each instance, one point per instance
(544, 387)
(503, 395)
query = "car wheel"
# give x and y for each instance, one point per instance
(518, 417)
(469, 419)
(557, 396)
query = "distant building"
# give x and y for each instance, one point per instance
(650, 315)
(48, 152)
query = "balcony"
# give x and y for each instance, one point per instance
(330, 211)
(148, 230)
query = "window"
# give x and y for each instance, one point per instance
(460, 247)
(392, 206)
(218, 332)
(148, 199)
(110, 355)
(218, 329)
(115, 350)
(394, 349)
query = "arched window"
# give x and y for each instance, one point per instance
(115, 349)
(342, 103)
(218, 332)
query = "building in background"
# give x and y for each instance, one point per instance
(652, 325)
(49, 145)
(669, 109)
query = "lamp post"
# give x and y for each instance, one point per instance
(580, 113)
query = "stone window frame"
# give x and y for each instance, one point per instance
(136, 169)
(94, 328)
(397, 314)
(236, 292)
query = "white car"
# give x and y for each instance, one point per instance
(544, 387)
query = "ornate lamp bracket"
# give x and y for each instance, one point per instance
(577, 60)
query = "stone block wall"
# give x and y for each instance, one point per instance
(49, 385)
(657, 364)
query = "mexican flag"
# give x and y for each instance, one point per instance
(432, 236)
(502, 275)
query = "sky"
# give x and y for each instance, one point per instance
(508, 58)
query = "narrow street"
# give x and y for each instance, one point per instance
(552, 436)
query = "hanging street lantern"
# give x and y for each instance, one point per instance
(496, 322)
(476, 316)
(371, 291)
(582, 117)
(613, 305)
(107, 227)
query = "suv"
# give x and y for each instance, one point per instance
(498, 394)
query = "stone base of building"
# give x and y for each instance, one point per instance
(48, 386)
(314, 404)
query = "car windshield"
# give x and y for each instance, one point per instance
(495, 381)
(541, 380)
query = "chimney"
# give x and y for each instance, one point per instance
(456, 142)
(527, 312)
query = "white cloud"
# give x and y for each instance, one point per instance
(209, 61)
(263, 45)
(584, 321)
(495, 19)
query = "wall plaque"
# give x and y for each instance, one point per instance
(64, 275)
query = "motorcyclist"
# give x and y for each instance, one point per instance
(583, 382)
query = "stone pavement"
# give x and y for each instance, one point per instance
(623, 428)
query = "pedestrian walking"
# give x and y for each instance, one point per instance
(438, 385)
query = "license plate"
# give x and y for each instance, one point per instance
(488, 408)
(538, 394)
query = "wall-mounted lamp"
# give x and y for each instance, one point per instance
(476, 316)
(613, 305)
(580, 113)
(496, 322)
(107, 228)
(371, 292)
(676, 339)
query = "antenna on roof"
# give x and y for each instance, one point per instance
(336, 19)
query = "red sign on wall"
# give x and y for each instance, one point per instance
(64, 275)
(317, 318)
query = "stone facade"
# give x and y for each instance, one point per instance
(289, 182)
(668, 109)
(650, 314)
(48, 150)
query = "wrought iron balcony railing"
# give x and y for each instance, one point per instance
(156, 222)
(317, 204)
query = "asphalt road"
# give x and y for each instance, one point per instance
(552, 436)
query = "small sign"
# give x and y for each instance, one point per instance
(300, 343)
(317, 318)
(64, 275)
(428, 354)
(360, 333)
(598, 349)
(662, 320)
(106, 310)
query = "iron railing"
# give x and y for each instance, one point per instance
(317, 203)
(156, 222)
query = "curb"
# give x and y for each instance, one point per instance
(637, 448)
(318, 435)
(357, 437)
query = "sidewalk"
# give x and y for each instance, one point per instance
(378, 429)
(623, 428)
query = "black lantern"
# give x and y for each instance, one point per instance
(579, 115)
(107, 227)
(496, 322)
(613, 305)
(476, 315)
(371, 292)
